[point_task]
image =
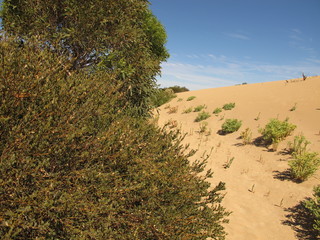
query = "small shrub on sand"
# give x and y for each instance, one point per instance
(173, 110)
(304, 165)
(246, 136)
(313, 205)
(188, 110)
(191, 98)
(199, 108)
(217, 111)
(299, 145)
(229, 106)
(275, 131)
(202, 116)
(231, 125)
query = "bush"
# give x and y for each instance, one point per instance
(74, 164)
(199, 108)
(202, 116)
(217, 111)
(231, 125)
(191, 98)
(178, 89)
(229, 106)
(246, 136)
(313, 205)
(299, 145)
(304, 165)
(188, 110)
(161, 97)
(276, 130)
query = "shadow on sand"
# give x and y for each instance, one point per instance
(301, 221)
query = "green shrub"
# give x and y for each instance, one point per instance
(313, 205)
(299, 145)
(202, 116)
(217, 111)
(304, 165)
(75, 164)
(231, 125)
(191, 98)
(178, 89)
(229, 106)
(199, 108)
(188, 110)
(161, 97)
(276, 130)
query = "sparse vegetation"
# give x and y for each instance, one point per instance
(294, 107)
(228, 106)
(231, 125)
(180, 100)
(188, 110)
(228, 163)
(173, 110)
(313, 205)
(299, 145)
(202, 116)
(275, 131)
(258, 117)
(217, 111)
(199, 108)
(246, 136)
(191, 98)
(304, 165)
(203, 127)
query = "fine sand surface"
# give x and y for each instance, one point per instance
(259, 192)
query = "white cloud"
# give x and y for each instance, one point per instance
(222, 71)
(238, 36)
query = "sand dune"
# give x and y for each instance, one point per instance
(259, 193)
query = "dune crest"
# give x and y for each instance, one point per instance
(260, 193)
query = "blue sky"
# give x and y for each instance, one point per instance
(215, 43)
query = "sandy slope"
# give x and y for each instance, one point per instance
(258, 192)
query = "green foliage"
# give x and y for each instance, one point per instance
(178, 89)
(75, 165)
(231, 125)
(313, 205)
(304, 165)
(299, 145)
(199, 108)
(228, 106)
(161, 97)
(191, 98)
(217, 111)
(122, 38)
(188, 110)
(276, 130)
(202, 116)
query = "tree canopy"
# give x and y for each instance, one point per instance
(122, 37)
(76, 162)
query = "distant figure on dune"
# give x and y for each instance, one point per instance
(304, 77)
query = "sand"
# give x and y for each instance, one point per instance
(258, 191)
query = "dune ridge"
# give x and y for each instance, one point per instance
(260, 194)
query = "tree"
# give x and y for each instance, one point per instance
(74, 166)
(121, 37)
